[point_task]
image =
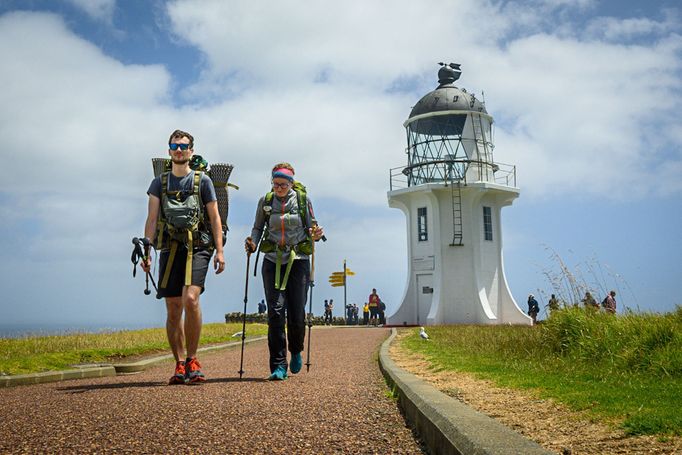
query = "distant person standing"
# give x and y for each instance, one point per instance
(365, 314)
(590, 302)
(553, 303)
(356, 314)
(373, 306)
(609, 303)
(261, 306)
(533, 308)
(382, 313)
(327, 313)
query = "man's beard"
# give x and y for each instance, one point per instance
(181, 161)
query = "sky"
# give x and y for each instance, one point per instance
(585, 95)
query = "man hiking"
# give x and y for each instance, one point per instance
(184, 224)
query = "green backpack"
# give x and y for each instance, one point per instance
(304, 247)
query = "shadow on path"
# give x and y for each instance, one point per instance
(120, 385)
(220, 380)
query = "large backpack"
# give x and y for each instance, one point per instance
(305, 247)
(184, 220)
(267, 246)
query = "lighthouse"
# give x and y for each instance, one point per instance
(452, 193)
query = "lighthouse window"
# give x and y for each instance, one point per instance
(487, 223)
(421, 224)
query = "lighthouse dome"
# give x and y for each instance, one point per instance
(447, 97)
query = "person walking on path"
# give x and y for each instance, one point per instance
(183, 263)
(533, 308)
(373, 307)
(365, 314)
(327, 313)
(609, 302)
(285, 228)
(382, 313)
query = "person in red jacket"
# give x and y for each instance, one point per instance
(373, 307)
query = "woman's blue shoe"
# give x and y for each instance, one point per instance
(296, 363)
(280, 374)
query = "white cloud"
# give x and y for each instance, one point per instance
(613, 29)
(585, 106)
(100, 10)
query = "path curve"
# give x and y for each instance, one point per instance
(340, 406)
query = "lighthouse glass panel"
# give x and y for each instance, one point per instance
(435, 150)
(422, 233)
(487, 223)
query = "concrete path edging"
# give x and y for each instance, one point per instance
(446, 425)
(102, 370)
(136, 367)
(96, 371)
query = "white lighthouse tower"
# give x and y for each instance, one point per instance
(452, 193)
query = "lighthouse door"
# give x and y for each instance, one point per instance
(424, 295)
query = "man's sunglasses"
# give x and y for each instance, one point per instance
(176, 146)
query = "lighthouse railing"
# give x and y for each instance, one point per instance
(402, 177)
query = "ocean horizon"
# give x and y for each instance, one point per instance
(20, 330)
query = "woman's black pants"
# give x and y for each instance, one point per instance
(286, 307)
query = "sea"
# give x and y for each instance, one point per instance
(47, 329)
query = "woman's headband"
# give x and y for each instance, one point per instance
(283, 173)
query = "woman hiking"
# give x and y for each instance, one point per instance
(285, 228)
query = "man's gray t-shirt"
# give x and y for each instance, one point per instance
(186, 186)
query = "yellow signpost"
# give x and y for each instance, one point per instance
(338, 279)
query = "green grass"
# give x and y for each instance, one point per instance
(624, 370)
(58, 352)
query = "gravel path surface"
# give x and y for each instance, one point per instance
(340, 406)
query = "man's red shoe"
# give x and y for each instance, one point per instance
(179, 376)
(193, 371)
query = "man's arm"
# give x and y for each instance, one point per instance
(217, 231)
(153, 208)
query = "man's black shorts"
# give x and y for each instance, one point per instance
(176, 280)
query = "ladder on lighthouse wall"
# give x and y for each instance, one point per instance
(456, 196)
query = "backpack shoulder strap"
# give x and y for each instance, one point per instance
(302, 200)
(197, 182)
(164, 183)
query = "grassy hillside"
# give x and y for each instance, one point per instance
(622, 369)
(58, 352)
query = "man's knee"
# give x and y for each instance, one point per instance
(190, 298)
(174, 308)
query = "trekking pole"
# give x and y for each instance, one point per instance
(139, 254)
(246, 298)
(310, 307)
(146, 245)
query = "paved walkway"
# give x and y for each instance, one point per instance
(340, 406)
